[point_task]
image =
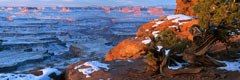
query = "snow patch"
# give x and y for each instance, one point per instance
(167, 52)
(173, 26)
(178, 66)
(231, 66)
(147, 41)
(47, 72)
(179, 17)
(155, 33)
(130, 60)
(45, 76)
(158, 23)
(181, 23)
(159, 48)
(176, 27)
(147, 30)
(94, 66)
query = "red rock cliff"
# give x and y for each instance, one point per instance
(185, 7)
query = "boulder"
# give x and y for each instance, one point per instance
(128, 49)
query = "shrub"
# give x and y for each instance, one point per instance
(220, 16)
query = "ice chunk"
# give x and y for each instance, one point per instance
(231, 66)
(94, 66)
(147, 41)
(179, 17)
(155, 33)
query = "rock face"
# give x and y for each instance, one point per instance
(128, 49)
(119, 70)
(134, 47)
(185, 7)
(173, 22)
(135, 70)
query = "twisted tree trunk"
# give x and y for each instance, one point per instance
(196, 54)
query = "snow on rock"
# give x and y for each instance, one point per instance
(231, 66)
(181, 23)
(176, 27)
(47, 72)
(147, 41)
(94, 66)
(178, 66)
(158, 23)
(10, 76)
(45, 76)
(147, 30)
(155, 33)
(173, 26)
(179, 17)
(130, 60)
(124, 60)
(159, 48)
(167, 52)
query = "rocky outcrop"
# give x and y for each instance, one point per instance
(185, 7)
(169, 23)
(118, 70)
(134, 47)
(128, 49)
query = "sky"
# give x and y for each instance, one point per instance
(76, 3)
